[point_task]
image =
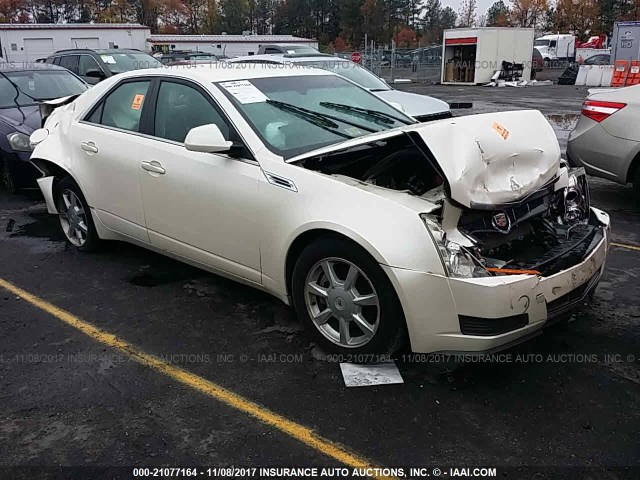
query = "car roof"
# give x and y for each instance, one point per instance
(28, 67)
(286, 45)
(289, 58)
(223, 71)
(97, 50)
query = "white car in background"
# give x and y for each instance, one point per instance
(421, 107)
(465, 234)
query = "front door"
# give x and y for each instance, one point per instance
(201, 206)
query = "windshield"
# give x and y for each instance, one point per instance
(297, 114)
(203, 57)
(541, 43)
(353, 72)
(38, 84)
(118, 62)
(299, 49)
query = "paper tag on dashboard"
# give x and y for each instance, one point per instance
(244, 91)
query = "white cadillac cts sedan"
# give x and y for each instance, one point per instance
(466, 234)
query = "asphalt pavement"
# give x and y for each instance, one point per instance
(245, 387)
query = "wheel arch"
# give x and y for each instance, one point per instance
(309, 236)
(50, 169)
(633, 168)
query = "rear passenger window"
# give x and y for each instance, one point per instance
(70, 62)
(87, 63)
(123, 107)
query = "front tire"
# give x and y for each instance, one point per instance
(75, 216)
(346, 301)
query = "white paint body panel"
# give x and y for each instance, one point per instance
(224, 215)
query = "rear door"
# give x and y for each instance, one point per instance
(106, 147)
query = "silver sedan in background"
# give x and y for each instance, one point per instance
(421, 107)
(606, 140)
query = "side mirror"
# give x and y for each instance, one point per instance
(94, 73)
(207, 139)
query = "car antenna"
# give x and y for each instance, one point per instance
(18, 92)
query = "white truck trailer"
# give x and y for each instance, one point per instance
(32, 41)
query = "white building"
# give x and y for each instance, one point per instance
(228, 45)
(472, 55)
(29, 42)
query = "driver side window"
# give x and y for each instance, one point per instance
(180, 108)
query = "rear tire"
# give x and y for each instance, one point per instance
(346, 301)
(75, 216)
(636, 181)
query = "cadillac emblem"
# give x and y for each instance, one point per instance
(501, 222)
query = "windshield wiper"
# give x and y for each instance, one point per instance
(324, 116)
(315, 118)
(383, 117)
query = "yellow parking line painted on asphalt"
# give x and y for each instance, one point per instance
(298, 432)
(624, 245)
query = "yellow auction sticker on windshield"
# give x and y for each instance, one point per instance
(137, 102)
(502, 131)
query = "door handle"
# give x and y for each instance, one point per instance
(153, 166)
(89, 147)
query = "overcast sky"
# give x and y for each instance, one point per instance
(483, 5)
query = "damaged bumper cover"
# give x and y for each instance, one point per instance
(485, 314)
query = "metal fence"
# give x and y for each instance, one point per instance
(400, 64)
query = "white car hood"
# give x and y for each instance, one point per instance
(414, 104)
(488, 160)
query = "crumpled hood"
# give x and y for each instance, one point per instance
(494, 158)
(488, 160)
(414, 104)
(14, 118)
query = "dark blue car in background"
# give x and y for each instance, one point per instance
(22, 88)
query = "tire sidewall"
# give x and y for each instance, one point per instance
(391, 330)
(636, 181)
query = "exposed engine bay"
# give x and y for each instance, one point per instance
(396, 163)
(549, 230)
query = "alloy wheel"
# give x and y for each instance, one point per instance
(73, 218)
(342, 302)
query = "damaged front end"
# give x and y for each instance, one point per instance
(549, 231)
(501, 201)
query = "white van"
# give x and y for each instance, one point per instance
(556, 47)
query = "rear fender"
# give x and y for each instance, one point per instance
(46, 186)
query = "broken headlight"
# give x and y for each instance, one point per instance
(572, 202)
(459, 261)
